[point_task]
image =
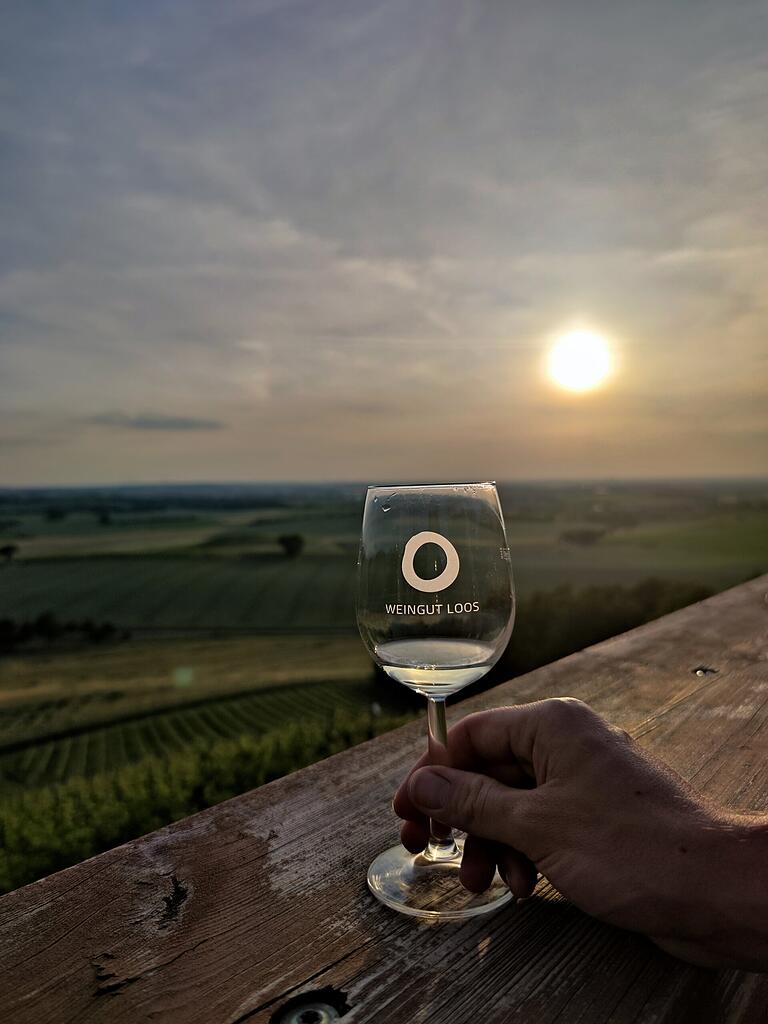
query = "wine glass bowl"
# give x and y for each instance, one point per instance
(435, 609)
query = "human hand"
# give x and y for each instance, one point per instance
(551, 786)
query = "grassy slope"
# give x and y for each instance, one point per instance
(40, 693)
(103, 708)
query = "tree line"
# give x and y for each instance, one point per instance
(48, 629)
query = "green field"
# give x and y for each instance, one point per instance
(223, 577)
(69, 714)
(93, 750)
(227, 662)
(313, 592)
(206, 605)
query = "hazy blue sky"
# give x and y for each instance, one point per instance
(276, 239)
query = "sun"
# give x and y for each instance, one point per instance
(579, 361)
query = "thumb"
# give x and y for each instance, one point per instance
(473, 803)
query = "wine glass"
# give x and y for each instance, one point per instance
(435, 608)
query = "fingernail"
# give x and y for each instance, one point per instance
(429, 790)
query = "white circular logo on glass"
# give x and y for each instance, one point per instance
(446, 577)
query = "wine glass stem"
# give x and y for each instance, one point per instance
(441, 845)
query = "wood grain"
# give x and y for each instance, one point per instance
(226, 915)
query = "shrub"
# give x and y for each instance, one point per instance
(292, 544)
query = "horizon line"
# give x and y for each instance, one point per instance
(510, 481)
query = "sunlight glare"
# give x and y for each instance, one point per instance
(579, 361)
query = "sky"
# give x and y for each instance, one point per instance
(288, 240)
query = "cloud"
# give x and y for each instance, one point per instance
(153, 422)
(32, 441)
(343, 235)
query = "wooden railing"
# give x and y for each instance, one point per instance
(257, 910)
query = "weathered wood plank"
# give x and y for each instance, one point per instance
(269, 896)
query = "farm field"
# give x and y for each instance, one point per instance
(75, 749)
(208, 606)
(69, 714)
(231, 580)
(719, 550)
(310, 593)
(162, 648)
(41, 693)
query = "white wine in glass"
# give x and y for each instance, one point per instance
(435, 608)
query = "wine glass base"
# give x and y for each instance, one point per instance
(414, 885)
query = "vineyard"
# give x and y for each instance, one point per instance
(46, 829)
(161, 651)
(97, 747)
(85, 712)
(93, 751)
(272, 593)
